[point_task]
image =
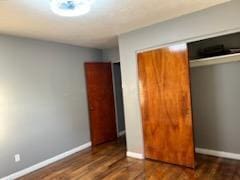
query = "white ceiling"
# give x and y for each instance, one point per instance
(99, 28)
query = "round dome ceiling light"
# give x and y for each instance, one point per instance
(70, 8)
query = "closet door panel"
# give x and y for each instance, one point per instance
(164, 89)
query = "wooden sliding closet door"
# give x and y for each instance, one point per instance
(166, 105)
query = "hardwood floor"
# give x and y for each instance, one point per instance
(109, 161)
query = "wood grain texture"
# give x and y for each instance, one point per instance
(164, 90)
(101, 102)
(108, 162)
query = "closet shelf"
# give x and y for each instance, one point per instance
(215, 60)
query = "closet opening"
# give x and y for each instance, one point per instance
(215, 90)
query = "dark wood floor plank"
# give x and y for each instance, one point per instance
(109, 162)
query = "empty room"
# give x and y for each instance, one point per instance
(119, 89)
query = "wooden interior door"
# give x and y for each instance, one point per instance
(101, 102)
(164, 88)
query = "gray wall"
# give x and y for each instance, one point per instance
(119, 96)
(217, 20)
(216, 106)
(43, 105)
(111, 54)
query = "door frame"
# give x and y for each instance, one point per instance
(187, 40)
(115, 96)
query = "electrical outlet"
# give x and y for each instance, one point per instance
(17, 158)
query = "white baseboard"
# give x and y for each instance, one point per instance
(209, 152)
(47, 162)
(221, 154)
(121, 133)
(135, 155)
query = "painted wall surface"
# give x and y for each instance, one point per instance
(111, 54)
(216, 106)
(216, 20)
(119, 96)
(43, 103)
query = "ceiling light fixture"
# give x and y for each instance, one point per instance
(70, 8)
